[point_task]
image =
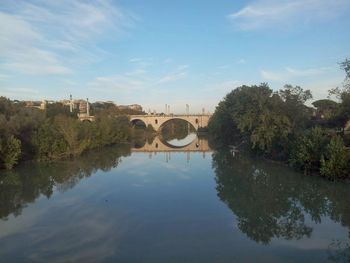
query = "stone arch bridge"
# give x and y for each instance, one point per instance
(156, 121)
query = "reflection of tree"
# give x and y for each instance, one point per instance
(24, 185)
(269, 204)
(339, 251)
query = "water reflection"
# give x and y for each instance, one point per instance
(190, 144)
(183, 141)
(25, 184)
(152, 211)
(270, 201)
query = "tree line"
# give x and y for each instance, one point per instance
(30, 133)
(279, 125)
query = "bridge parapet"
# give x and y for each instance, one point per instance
(156, 121)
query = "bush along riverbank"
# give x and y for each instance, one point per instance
(53, 133)
(279, 125)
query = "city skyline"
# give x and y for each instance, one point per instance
(173, 53)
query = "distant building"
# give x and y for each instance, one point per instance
(135, 107)
(41, 105)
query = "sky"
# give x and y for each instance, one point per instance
(159, 52)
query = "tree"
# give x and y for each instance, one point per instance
(72, 132)
(326, 108)
(308, 150)
(334, 162)
(10, 151)
(343, 94)
(255, 112)
(345, 65)
(49, 143)
(294, 98)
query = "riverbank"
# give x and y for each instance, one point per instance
(279, 126)
(54, 132)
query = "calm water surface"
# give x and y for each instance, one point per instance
(156, 204)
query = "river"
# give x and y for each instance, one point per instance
(174, 201)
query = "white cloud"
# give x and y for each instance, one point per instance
(120, 83)
(172, 77)
(49, 37)
(273, 76)
(4, 77)
(272, 13)
(134, 60)
(289, 73)
(307, 72)
(35, 61)
(179, 73)
(18, 41)
(241, 61)
(141, 62)
(225, 86)
(182, 67)
(167, 61)
(23, 92)
(318, 80)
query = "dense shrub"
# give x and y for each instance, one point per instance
(308, 150)
(335, 161)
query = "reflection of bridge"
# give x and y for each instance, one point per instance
(158, 146)
(197, 121)
(197, 145)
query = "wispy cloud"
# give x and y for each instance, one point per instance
(117, 84)
(318, 80)
(179, 73)
(225, 86)
(25, 92)
(289, 73)
(172, 77)
(167, 61)
(139, 81)
(241, 61)
(46, 37)
(141, 62)
(272, 13)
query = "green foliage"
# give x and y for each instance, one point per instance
(294, 108)
(345, 65)
(279, 125)
(222, 126)
(49, 143)
(10, 151)
(54, 109)
(308, 150)
(53, 133)
(335, 161)
(73, 133)
(326, 108)
(257, 114)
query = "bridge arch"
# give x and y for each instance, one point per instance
(135, 121)
(175, 118)
(197, 121)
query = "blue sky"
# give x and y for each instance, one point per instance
(169, 52)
